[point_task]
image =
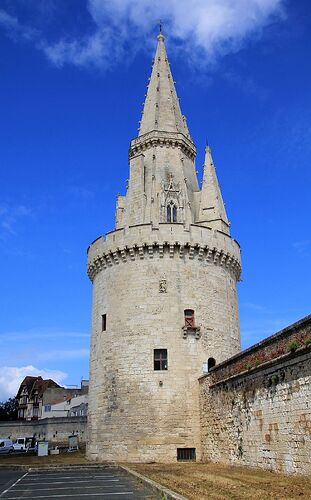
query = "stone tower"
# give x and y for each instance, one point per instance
(164, 292)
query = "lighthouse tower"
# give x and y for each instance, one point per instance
(164, 292)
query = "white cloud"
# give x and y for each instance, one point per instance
(203, 29)
(14, 28)
(11, 378)
(9, 216)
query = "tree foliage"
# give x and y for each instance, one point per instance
(8, 409)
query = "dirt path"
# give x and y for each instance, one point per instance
(220, 482)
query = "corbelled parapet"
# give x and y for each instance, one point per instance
(146, 242)
(162, 139)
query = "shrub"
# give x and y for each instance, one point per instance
(293, 346)
(308, 342)
(274, 379)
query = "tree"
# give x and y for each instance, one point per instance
(8, 409)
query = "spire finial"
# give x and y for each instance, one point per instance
(207, 147)
(160, 35)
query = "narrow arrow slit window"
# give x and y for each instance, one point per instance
(104, 322)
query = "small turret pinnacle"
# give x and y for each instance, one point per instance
(212, 209)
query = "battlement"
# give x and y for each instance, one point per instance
(172, 240)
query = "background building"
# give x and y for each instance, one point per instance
(30, 396)
(68, 406)
(38, 399)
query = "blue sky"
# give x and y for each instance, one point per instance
(73, 77)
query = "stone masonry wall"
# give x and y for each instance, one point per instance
(260, 414)
(135, 413)
(54, 430)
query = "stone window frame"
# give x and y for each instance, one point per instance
(189, 318)
(160, 359)
(189, 327)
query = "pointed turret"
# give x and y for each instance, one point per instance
(161, 108)
(212, 210)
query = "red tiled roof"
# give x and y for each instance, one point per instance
(36, 384)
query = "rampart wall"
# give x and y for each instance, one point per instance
(255, 407)
(54, 430)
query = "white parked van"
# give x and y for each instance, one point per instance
(6, 445)
(22, 443)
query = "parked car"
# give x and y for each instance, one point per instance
(23, 443)
(6, 445)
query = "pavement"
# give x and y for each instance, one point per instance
(108, 483)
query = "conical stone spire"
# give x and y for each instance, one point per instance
(161, 108)
(212, 210)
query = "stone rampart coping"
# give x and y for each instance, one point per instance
(162, 490)
(147, 234)
(276, 346)
(43, 421)
(289, 359)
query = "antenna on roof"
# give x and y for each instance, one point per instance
(160, 26)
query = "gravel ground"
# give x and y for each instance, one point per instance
(214, 481)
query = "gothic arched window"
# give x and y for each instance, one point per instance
(171, 212)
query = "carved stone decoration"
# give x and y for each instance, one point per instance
(192, 330)
(163, 286)
(171, 194)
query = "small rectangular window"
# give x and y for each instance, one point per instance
(104, 322)
(160, 359)
(47, 407)
(185, 454)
